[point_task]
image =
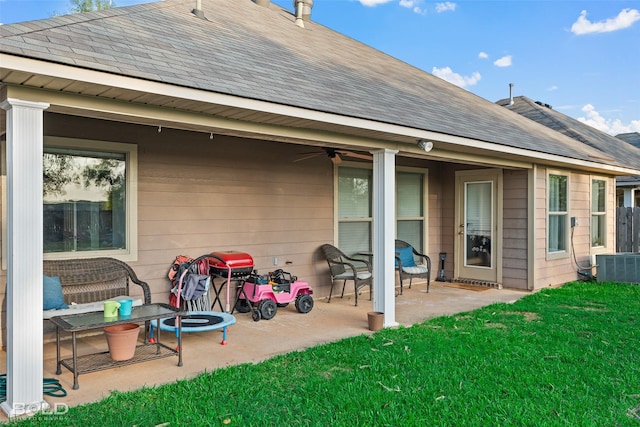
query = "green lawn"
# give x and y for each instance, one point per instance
(560, 357)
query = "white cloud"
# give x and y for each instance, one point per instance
(483, 55)
(505, 61)
(373, 3)
(413, 5)
(447, 74)
(552, 88)
(625, 19)
(612, 127)
(446, 7)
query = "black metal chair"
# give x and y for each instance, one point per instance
(406, 264)
(343, 267)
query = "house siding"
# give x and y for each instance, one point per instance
(448, 229)
(554, 272)
(514, 239)
(233, 194)
(197, 195)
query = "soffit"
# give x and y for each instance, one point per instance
(337, 135)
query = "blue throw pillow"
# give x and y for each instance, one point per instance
(406, 257)
(53, 298)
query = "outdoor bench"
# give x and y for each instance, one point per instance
(87, 283)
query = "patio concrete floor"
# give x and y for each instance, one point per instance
(250, 341)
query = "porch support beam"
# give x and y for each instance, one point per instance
(24, 256)
(384, 219)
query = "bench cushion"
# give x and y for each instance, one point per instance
(86, 308)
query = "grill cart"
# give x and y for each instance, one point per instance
(262, 295)
(233, 266)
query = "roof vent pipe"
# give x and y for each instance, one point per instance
(297, 5)
(198, 10)
(303, 11)
(510, 94)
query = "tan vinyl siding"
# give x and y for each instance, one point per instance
(449, 228)
(250, 198)
(514, 271)
(558, 271)
(197, 195)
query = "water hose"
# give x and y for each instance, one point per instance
(50, 387)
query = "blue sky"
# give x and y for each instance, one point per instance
(580, 57)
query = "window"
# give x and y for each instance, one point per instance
(558, 213)
(598, 212)
(355, 191)
(410, 208)
(354, 209)
(89, 199)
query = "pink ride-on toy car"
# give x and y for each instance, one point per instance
(262, 295)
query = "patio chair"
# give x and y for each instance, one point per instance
(406, 264)
(343, 267)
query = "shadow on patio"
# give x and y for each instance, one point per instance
(250, 341)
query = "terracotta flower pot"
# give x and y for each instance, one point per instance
(122, 340)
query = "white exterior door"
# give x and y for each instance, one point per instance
(478, 215)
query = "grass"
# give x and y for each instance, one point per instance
(560, 357)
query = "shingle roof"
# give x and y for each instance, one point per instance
(632, 138)
(618, 149)
(256, 52)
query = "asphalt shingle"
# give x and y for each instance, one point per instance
(256, 52)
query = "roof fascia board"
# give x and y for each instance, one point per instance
(144, 114)
(27, 65)
(12, 62)
(150, 115)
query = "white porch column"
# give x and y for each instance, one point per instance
(24, 256)
(384, 218)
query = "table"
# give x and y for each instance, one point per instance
(74, 323)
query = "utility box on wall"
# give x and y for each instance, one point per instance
(621, 267)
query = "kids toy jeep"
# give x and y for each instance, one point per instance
(262, 295)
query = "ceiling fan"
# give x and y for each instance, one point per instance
(334, 155)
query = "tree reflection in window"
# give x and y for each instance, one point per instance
(84, 200)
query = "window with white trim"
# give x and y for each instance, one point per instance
(558, 215)
(410, 208)
(598, 212)
(355, 193)
(355, 187)
(89, 199)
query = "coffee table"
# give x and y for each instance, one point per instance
(74, 323)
